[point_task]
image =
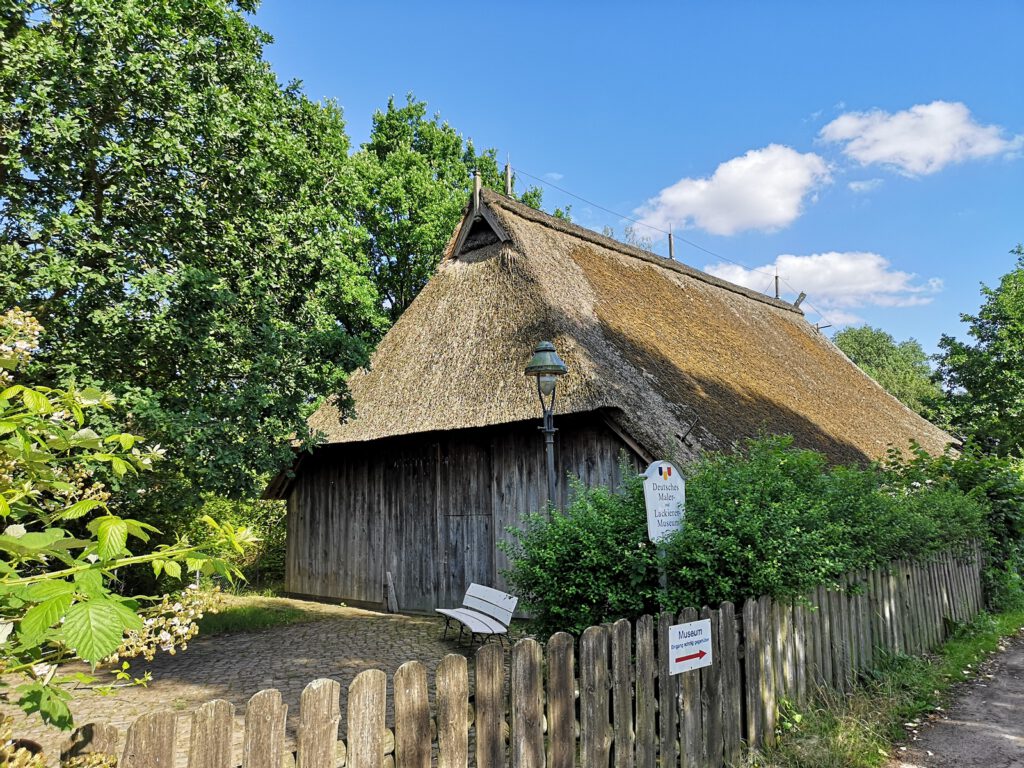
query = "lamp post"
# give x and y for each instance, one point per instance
(546, 366)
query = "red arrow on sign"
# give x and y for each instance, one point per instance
(698, 655)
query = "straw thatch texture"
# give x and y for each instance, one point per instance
(660, 346)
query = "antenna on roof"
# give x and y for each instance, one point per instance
(476, 190)
(508, 176)
(819, 327)
(799, 299)
(671, 245)
(776, 282)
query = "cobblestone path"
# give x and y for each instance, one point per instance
(339, 644)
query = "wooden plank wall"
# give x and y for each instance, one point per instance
(524, 710)
(429, 510)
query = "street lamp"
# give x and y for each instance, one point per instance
(547, 366)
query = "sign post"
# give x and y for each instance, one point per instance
(665, 499)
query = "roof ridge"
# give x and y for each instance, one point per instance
(490, 197)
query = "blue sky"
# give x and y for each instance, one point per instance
(872, 152)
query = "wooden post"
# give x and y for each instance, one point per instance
(319, 715)
(265, 716)
(412, 716)
(671, 244)
(691, 726)
(711, 696)
(622, 693)
(595, 728)
(667, 687)
(490, 704)
(508, 179)
(476, 190)
(452, 695)
(646, 731)
(561, 701)
(151, 741)
(732, 695)
(752, 672)
(367, 705)
(527, 706)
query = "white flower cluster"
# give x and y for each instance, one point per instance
(19, 339)
(169, 625)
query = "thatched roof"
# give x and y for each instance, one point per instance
(677, 359)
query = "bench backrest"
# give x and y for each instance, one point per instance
(494, 603)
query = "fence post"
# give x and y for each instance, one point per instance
(595, 728)
(732, 699)
(151, 741)
(412, 716)
(527, 735)
(490, 704)
(622, 693)
(667, 691)
(451, 682)
(263, 742)
(691, 727)
(646, 732)
(561, 701)
(367, 704)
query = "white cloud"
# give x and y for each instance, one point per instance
(838, 282)
(918, 141)
(763, 189)
(867, 185)
(554, 176)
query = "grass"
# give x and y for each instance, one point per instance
(858, 730)
(251, 612)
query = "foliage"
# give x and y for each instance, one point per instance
(776, 520)
(182, 226)
(587, 564)
(64, 546)
(858, 728)
(999, 483)
(902, 368)
(768, 520)
(262, 564)
(416, 176)
(984, 381)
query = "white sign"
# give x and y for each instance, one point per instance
(689, 646)
(665, 497)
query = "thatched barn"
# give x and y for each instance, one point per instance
(443, 453)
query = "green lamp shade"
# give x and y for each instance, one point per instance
(545, 361)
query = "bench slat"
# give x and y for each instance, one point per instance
(483, 606)
(477, 623)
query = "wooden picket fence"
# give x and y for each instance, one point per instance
(607, 700)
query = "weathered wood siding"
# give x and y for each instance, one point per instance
(429, 509)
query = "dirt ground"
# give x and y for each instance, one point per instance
(985, 724)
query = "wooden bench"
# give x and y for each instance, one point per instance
(485, 612)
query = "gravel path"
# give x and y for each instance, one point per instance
(985, 727)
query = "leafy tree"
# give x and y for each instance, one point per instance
(984, 381)
(64, 545)
(416, 174)
(901, 368)
(181, 224)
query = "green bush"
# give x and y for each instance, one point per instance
(587, 564)
(768, 520)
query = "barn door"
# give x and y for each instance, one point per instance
(410, 527)
(465, 522)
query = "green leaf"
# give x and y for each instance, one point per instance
(80, 508)
(94, 628)
(49, 701)
(86, 438)
(112, 535)
(36, 401)
(90, 582)
(44, 590)
(5, 508)
(91, 396)
(40, 618)
(173, 569)
(119, 465)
